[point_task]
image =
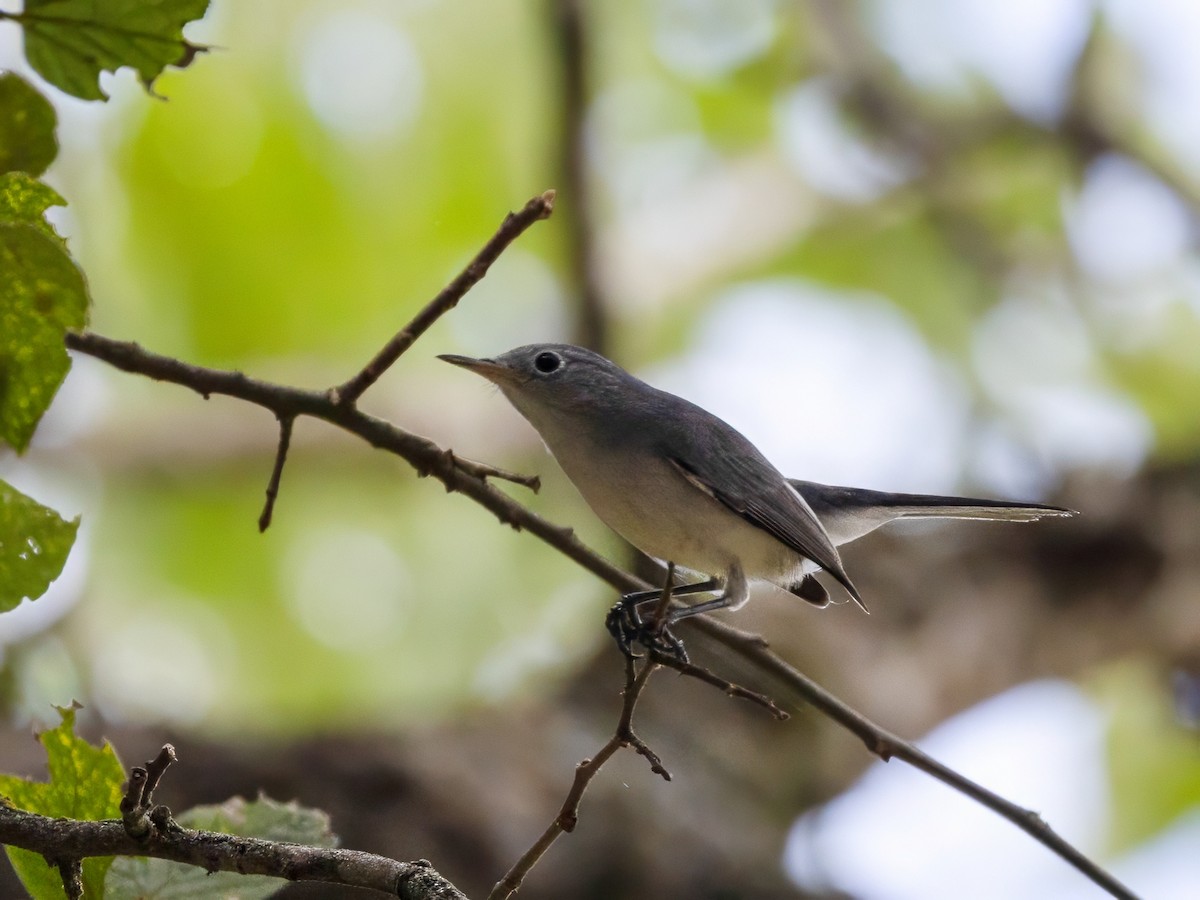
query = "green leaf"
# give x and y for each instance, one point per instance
(85, 783)
(34, 543)
(42, 294)
(159, 879)
(70, 42)
(24, 200)
(27, 122)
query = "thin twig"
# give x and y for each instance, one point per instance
(625, 733)
(138, 802)
(513, 226)
(568, 815)
(429, 459)
(285, 439)
(483, 470)
(623, 736)
(133, 810)
(155, 769)
(700, 673)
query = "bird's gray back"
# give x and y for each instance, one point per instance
(722, 460)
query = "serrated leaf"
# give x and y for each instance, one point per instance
(159, 879)
(42, 294)
(27, 122)
(70, 42)
(85, 783)
(34, 543)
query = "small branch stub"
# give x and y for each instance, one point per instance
(285, 439)
(71, 872)
(138, 813)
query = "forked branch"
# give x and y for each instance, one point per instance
(337, 407)
(427, 458)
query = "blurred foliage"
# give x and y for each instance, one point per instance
(254, 221)
(311, 185)
(1165, 379)
(1154, 769)
(344, 612)
(304, 239)
(85, 783)
(901, 253)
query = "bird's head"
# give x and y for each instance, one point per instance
(545, 381)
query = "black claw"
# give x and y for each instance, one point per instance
(627, 627)
(669, 645)
(615, 622)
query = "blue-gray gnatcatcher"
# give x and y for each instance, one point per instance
(683, 486)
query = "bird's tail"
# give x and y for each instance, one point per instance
(848, 513)
(931, 506)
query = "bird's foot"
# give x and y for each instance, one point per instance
(662, 642)
(628, 628)
(625, 625)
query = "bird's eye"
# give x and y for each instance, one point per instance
(547, 362)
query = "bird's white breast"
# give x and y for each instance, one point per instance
(645, 499)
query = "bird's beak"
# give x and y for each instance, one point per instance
(488, 368)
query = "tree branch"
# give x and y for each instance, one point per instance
(148, 830)
(513, 226)
(483, 470)
(568, 815)
(73, 840)
(429, 459)
(285, 441)
(888, 746)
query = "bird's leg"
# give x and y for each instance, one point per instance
(625, 622)
(658, 636)
(686, 612)
(736, 593)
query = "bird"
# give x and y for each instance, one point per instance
(685, 487)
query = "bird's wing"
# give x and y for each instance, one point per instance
(751, 488)
(849, 513)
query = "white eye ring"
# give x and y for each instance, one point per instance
(547, 362)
